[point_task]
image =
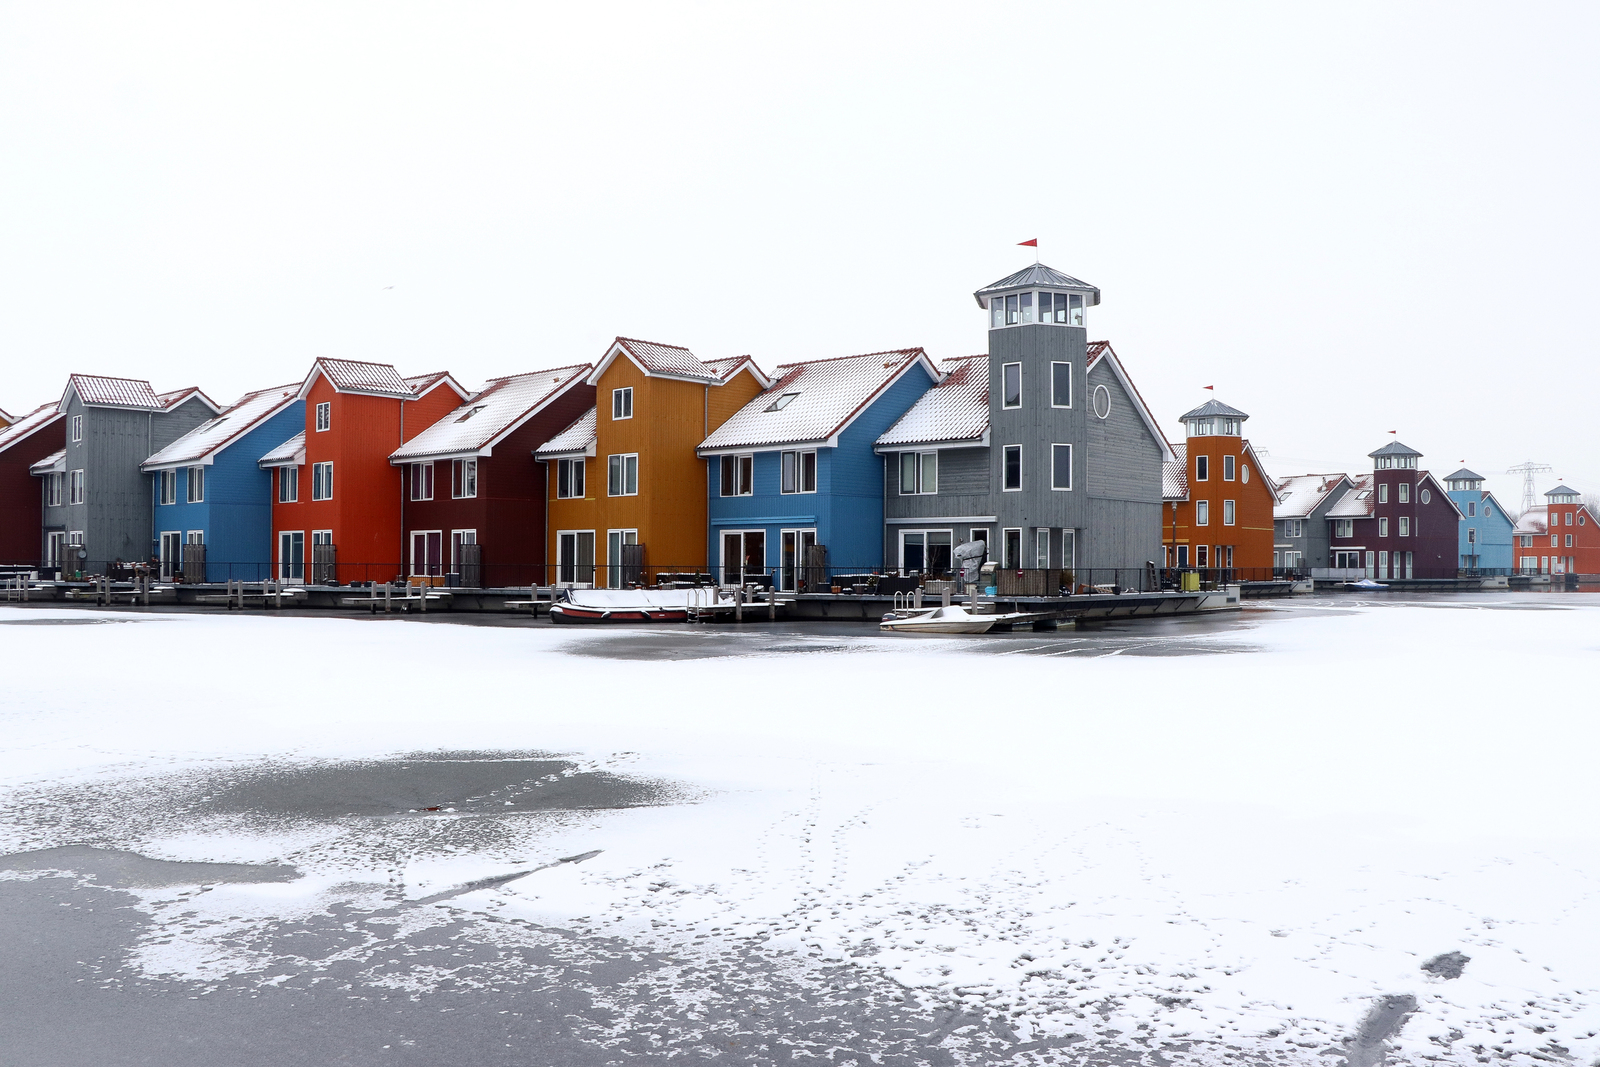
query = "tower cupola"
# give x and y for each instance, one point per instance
(1037, 295)
(1464, 480)
(1394, 456)
(1214, 419)
(1562, 495)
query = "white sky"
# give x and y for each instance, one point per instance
(1350, 219)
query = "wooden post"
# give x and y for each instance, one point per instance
(772, 601)
(738, 604)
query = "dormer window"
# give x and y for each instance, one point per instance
(782, 402)
(471, 412)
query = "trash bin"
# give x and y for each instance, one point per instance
(1189, 581)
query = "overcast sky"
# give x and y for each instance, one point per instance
(1349, 219)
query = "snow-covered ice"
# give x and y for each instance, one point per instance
(1249, 840)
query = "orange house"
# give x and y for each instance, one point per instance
(336, 500)
(1218, 502)
(627, 492)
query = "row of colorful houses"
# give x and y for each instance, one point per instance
(651, 459)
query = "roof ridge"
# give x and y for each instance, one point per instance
(659, 344)
(358, 362)
(858, 355)
(544, 370)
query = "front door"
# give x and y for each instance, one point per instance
(793, 556)
(427, 553)
(615, 539)
(575, 557)
(744, 555)
(171, 553)
(292, 555)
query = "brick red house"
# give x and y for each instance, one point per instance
(474, 498)
(27, 440)
(1559, 537)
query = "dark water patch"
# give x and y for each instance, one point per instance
(119, 869)
(1447, 965)
(1368, 1047)
(64, 622)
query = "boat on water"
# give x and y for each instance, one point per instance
(1365, 583)
(634, 605)
(954, 619)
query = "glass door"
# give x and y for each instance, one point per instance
(171, 554)
(292, 556)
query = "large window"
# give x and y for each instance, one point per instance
(623, 475)
(292, 555)
(1011, 468)
(618, 576)
(575, 557)
(1061, 385)
(919, 473)
(52, 489)
(1011, 385)
(738, 475)
(427, 553)
(925, 551)
(799, 472)
(197, 484)
(322, 481)
(622, 403)
(75, 488)
(1061, 467)
(569, 479)
(288, 485)
(169, 487)
(324, 416)
(464, 478)
(421, 481)
(1202, 513)
(1344, 527)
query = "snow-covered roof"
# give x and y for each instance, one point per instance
(814, 400)
(1357, 501)
(1214, 407)
(725, 369)
(576, 440)
(474, 428)
(292, 453)
(172, 399)
(55, 461)
(1464, 475)
(201, 444)
(356, 376)
(423, 384)
(657, 360)
(1393, 448)
(6, 417)
(1300, 495)
(1562, 490)
(1536, 520)
(28, 425)
(1036, 275)
(954, 410)
(1175, 474)
(101, 391)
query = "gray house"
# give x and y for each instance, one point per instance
(1042, 448)
(95, 494)
(1300, 520)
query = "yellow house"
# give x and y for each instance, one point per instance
(626, 491)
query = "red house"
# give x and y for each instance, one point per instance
(27, 440)
(337, 507)
(1396, 523)
(474, 494)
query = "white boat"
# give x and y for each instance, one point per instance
(954, 619)
(634, 605)
(1365, 583)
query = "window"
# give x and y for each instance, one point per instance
(421, 481)
(1405, 492)
(1527, 540)
(1227, 513)
(1061, 467)
(288, 485)
(1472, 535)
(77, 428)
(1202, 513)
(1244, 472)
(1383, 493)
(1202, 554)
(196, 485)
(925, 551)
(427, 553)
(1227, 468)
(1383, 527)
(1425, 496)
(617, 576)
(1011, 385)
(1202, 468)
(1344, 527)
(782, 402)
(292, 555)
(569, 479)
(52, 489)
(1567, 518)
(75, 486)
(1061, 385)
(1569, 541)
(919, 473)
(322, 481)
(1405, 526)
(1294, 527)
(1041, 548)
(1012, 547)
(1555, 540)
(1102, 401)
(457, 539)
(464, 416)
(622, 403)
(575, 557)
(623, 474)
(324, 416)
(799, 472)
(1580, 516)
(1012, 469)
(738, 475)
(169, 487)
(1472, 510)
(464, 478)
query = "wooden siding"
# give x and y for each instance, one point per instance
(22, 495)
(1123, 461)
(1251, 535)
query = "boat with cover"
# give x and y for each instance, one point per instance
(953, 619)
(634, 605)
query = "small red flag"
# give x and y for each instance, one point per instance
(1212, 387)
(1029, 244)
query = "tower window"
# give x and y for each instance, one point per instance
(1011, 385)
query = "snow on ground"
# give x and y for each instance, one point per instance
(1252, 848)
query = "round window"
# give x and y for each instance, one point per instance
(1580, 518)
(1488, 512)
(1426, 496)
(1244, 472)
(1102, 401)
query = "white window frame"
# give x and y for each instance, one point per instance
(1383, 526)
(1202, 468)
(1227, 513)
(1383, 492)
(1403, 492)
(1054, 447)
(457, 539)
(1041, 548)
(792, 471)
(322, 479)
(562, 564)
(169, 485)
(1053, 365)
(422, 481)
(568, 466)
(622, 403)
(194, 537)
(55, 542)
(923, 532)
(1006, 451)
(1568, 543)
(289, 485)
(722, 553)
(1344, 527)
(286, 541)
(804, 537)
(464, 476)
(77, 487)
(55, 486)
(324, 416)
(919, 473)
(743, 482)
(615, 539)
(1405, 526)
(1202, 513)
(411, 553)
(77, 428)
(1004, 368)
(1228, 465)
(170, 552)
(194, 480)
(618, 467)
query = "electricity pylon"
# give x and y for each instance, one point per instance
(1528, 470)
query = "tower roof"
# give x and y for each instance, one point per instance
(1214, 407)
(1036, 276)
(1562, 490)
(1393, 448)
(1464, 475)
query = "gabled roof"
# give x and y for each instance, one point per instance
(292, 453)
(813, 401)
(1536, 520)
(100, 391)
(201, 444)
(955, 410)
(657, 360)
(576, 440)
(354, 376)
(1302, 494)
(1562, 490)
(423, 384)
(172, 399)
(725, 369)
(474, 428)
(1488, 496)
(1102, 350)
(1036, 276)
(1175, 474)
(55, 461)
(6, 417)
(1214, 407)
(30, 424)
(1393, 448)
(1464, 475)
(1357, 501)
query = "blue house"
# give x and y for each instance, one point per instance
(1485, 525)
(208, 489)
(792, 477)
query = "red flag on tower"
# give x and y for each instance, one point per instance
(1029, 244)
(1211, 387)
